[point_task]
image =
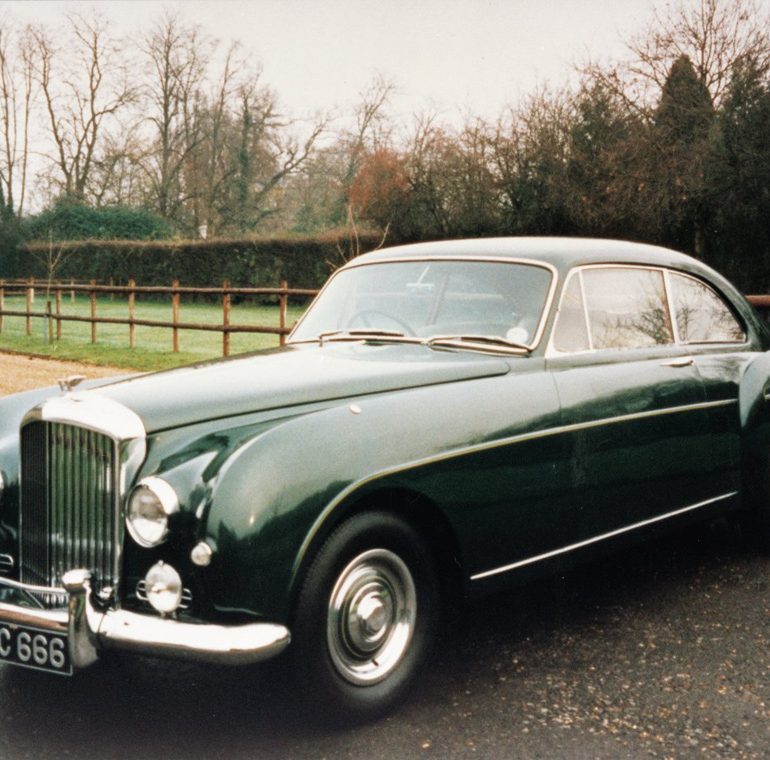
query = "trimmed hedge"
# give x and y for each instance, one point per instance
(264, 262)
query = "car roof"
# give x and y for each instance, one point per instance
(561, 252)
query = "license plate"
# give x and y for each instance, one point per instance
(34, 648)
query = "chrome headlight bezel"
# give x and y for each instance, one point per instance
(147, 527)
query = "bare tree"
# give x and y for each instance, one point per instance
(16, 87)
(82, 91)
(530, 150)
(118, 176)
(176, 56)
(715, 35)
(371, 128)
(249, 150)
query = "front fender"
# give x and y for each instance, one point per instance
(275, 493)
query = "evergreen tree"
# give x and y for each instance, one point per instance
(680, 150)
(739, 178)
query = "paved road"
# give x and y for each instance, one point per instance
(663, 652)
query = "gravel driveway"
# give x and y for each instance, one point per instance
(19, 372)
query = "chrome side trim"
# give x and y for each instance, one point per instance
(480, 447)
(600, 537)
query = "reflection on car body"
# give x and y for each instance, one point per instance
(444, 417)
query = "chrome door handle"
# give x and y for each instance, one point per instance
(680, 361)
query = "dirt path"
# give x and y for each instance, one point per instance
(21, 373)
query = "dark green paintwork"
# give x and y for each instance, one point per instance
(511, 452)
(286, 378)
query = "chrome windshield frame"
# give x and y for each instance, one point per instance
(544, 314)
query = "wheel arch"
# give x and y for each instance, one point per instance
(416, 509)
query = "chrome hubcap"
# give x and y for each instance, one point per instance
(371, 616)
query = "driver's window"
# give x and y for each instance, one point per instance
(627, 307)
(613, 307)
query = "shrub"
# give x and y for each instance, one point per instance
(68, 221)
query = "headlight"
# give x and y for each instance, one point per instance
(149, 507)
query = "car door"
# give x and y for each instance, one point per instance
(718, 341)
(634, 408)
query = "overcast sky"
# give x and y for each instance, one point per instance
(450, 55)
(453, 56)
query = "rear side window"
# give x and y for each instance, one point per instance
(626, 308)
(701, 315)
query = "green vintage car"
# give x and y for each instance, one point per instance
(445, 417)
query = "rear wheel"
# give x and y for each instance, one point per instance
(366, 617)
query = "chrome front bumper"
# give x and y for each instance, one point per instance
(90, 629)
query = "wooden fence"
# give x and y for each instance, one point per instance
(55, 316)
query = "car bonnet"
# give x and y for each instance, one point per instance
(289, 377)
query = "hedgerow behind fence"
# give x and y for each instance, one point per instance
(304, 262)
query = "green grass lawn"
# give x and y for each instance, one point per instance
(153, 344)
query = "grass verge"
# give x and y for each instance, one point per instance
(154, 344)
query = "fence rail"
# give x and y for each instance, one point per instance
(56, 317)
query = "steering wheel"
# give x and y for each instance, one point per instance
(362, 314)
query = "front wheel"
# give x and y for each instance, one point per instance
(366, 617)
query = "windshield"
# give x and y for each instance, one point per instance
(426, 299)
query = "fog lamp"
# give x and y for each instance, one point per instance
(149, 507)
(163, 587)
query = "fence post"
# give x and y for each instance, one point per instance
(175, 316)
(49, 320)
(225, 318)
(72, 292)
(283, 302)
(131, 314)
(92, 298)
(58, 313)
(2, 303)
(29, 296)
(32, 289)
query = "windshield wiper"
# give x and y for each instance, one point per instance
(366, 334)
(483, 340)
(479, 341)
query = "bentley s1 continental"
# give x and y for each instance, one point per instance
(444, 416)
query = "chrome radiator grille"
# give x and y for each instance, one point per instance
(69, 504)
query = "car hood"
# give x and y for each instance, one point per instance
(291, 376)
